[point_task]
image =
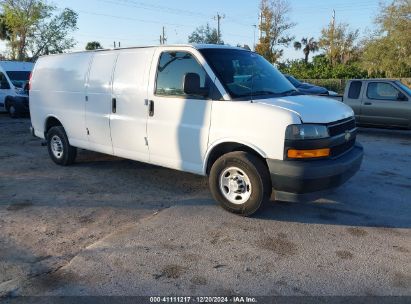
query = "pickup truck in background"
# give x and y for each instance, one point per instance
(379, 102)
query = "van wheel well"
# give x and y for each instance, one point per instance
(51, 122)
(228, 147)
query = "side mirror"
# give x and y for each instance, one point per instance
(401, 97)
(191, 85)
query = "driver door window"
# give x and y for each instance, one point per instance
(171, 70)
(382, 91)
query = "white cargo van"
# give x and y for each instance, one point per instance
(13, 77)
(210, 110)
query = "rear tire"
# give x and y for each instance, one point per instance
(59, 147)
(240, 182)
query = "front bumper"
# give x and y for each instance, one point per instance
(21, 104)
(299, 177)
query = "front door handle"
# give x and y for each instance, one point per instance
(114, 105)
(151, 108)
(367, 103)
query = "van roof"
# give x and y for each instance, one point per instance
(16, 65)
(194, 46)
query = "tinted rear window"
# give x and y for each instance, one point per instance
(355, 90)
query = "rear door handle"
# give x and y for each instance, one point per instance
(151, 108)
(367, 103)
(114, 105)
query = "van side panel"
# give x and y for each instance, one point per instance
(129, 123)
(99, 101)
(178, 129)
(249, 123)
(58, 90)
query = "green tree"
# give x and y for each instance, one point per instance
(93, 45)
(339, 43)
(308, 46)
(321, 68)
(4, 31)
(52, 35)
(20, 19)
(30, 28)
(274, 27)
(205, 34)
(388, 52)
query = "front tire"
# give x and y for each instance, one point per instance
(12, 111)
(240, 182)
(59, 147)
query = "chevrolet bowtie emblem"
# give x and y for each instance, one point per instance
(347, 135)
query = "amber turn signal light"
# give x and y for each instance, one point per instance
(308, 153)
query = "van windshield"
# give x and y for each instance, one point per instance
(246, 75)
(18, 78)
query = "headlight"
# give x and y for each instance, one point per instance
(306, 131)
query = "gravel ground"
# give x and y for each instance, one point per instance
(108, 226)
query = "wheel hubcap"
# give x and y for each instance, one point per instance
(56, 146)
(235, 185)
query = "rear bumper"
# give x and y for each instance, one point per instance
(299, 177)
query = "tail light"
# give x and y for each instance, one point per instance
(29, 88)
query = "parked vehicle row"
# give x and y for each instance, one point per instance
(13, 94)
(211, 110)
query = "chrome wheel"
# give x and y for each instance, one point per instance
(56, 146)
(235, 185)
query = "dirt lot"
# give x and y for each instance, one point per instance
(109, 226)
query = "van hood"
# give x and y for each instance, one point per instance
(311, 109)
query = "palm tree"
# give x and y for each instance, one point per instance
(308, 46)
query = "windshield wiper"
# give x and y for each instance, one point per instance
(256, 93)
(292, 92)
(264, 93)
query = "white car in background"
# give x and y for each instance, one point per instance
(14, 76)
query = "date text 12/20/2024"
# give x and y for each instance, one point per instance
(233, 299)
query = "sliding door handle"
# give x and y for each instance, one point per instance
(151, 108)
(367, 103)
(114, 105)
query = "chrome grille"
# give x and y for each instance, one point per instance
(340, 127)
